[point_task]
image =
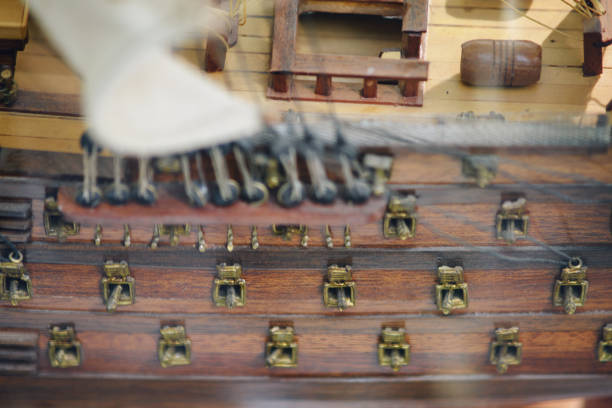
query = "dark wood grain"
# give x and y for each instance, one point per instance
(289, 291)
(597, 30)
(285, 34)
(469, 224)
(18, 351)
(240, 213)
(280, 258)
(119, 344)
(410, 167)
(45, 103)
(418, 392)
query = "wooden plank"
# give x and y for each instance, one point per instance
(121, 344)
(18, 338)
(417, 391)
(389, 8)
(348, 92)
(277, 257)
(12, 209)
(13, 20)
(239, 213)
(291, 291)
(416, 16)
(285, 25)
(440, 225)
(12, 224)
(360, 67)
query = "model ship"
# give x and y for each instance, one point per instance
(430, 211)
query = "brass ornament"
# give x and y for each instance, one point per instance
(451, 291)
(400, 219)
(604, 348)
(229, 289)
(339, 290)
(117, 285)
(15, 283)
(512, 220)
(571, 288)
(281, 348)
(174, 347)
(54, 222)
(505, 350)
(64, 348)
(393, 350)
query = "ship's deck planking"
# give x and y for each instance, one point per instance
(568, 198)
(50, 87)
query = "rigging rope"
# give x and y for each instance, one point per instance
(14, 252)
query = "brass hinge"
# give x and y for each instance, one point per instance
(571, 289)
(229, 287)
(604, 350)
(281, 349)
(451, 292)
(512, 220)
(64, 348)
(174, 348)
(399, 220)
(54, 223)
(505, 350)
(117, 285)
(339, 290)
(393, 350)
(15, 284)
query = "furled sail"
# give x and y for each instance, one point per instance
(138, 98)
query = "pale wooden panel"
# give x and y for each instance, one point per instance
(13, 20)
(562, 87)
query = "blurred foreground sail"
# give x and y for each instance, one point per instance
(138, 98)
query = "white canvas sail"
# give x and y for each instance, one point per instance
(138, 98)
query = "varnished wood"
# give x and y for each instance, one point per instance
(442, 224)
(122, 344)
(296, 291)
(597, 31)
(278, 258)
(501, 63)
(333, 345)
(370, 69)
(18, 351)
(420, 392)
(373, 67)
(239, 213)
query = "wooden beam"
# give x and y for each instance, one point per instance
(597, 31)
(359, 67)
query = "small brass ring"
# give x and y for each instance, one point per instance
(16, 259)
(575, 262)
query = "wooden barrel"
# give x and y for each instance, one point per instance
(501, 63)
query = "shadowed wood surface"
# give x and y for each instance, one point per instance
(455, 392)
(127, 344)
(437, 225)
(452, 22)
(526, 289)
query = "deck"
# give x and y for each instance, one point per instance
(48, 117)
